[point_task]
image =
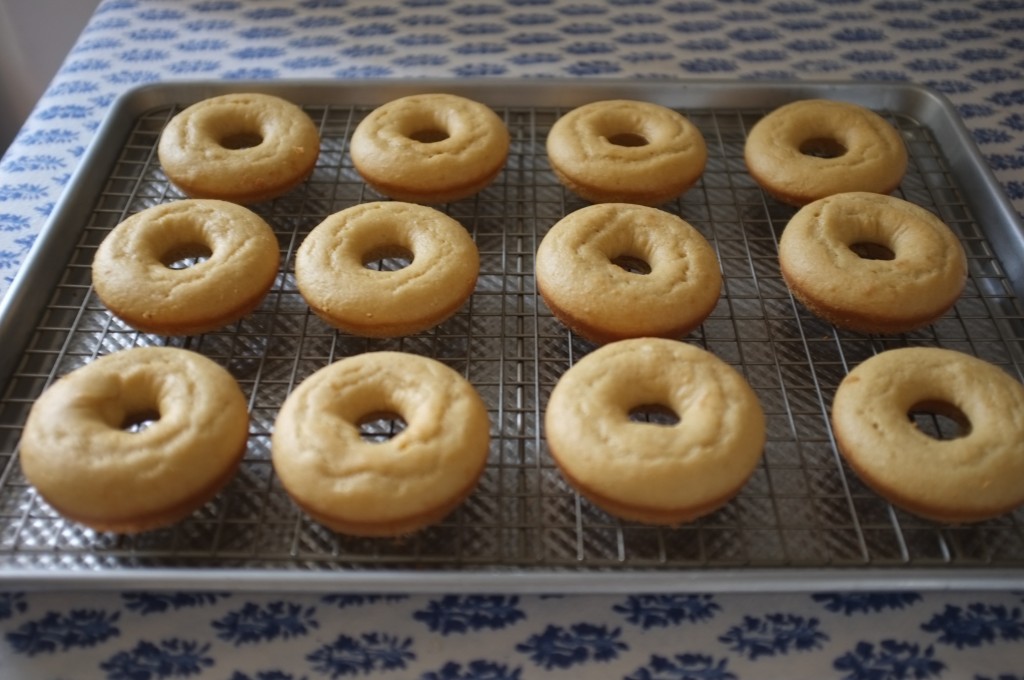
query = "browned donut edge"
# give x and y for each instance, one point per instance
(396, 330)
(169, 515)
(800, 200)
(636, 513)
(603, 335)
(393, 529)
(399, 192)
(200, 325)
(246, 195)
(596, 195)
(865, 322)
(945, 514)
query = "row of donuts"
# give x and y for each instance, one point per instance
(142, 271)
(252, 147)
(609, 271)
(436, 148)
(141, 438)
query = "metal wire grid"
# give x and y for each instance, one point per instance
(802, 508)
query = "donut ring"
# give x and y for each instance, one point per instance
(243, 148)
(384, 488)
(79, 452)
(332, 273)
(132, 271)
(653, 473)
(813, 148)
(967, 479)
(582, 273)
(623, 151)
(825, 254)
(430, 148)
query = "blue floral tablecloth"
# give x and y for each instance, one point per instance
(973, 52)
(872, 636)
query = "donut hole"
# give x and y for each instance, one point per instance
(632, 264)
(654, 414)
(381, 426)
(872, 251)
(388, 258)
(823, 147)
(431, 135)
(186, 255)
(238, 141)
(939, 419)
(138, 421)
(629, 139)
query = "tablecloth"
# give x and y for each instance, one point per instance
(972, 52)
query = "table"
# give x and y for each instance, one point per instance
(973, 53)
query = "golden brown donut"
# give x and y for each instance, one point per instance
(81, 452)
(829, 258)
(969, 478)
(585, 278)
(386, 488)
(132, 275)
(813, 148)
(243, 148)
(649, 472)
(430, 148)
(332, 273)
(624, 151)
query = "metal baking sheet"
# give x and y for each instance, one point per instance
(804, 520)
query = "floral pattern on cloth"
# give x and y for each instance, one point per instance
(848, 636)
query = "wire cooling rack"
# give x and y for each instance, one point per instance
(802, 509)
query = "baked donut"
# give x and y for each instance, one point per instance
(135, 440)
(623, 151)
(813, 148)
(971, 477)
(332, 272)
(243, 148)
(648, 471)
(872, 263)
(390, 487)
(592, 272)
(430, 148)
(136, 276)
